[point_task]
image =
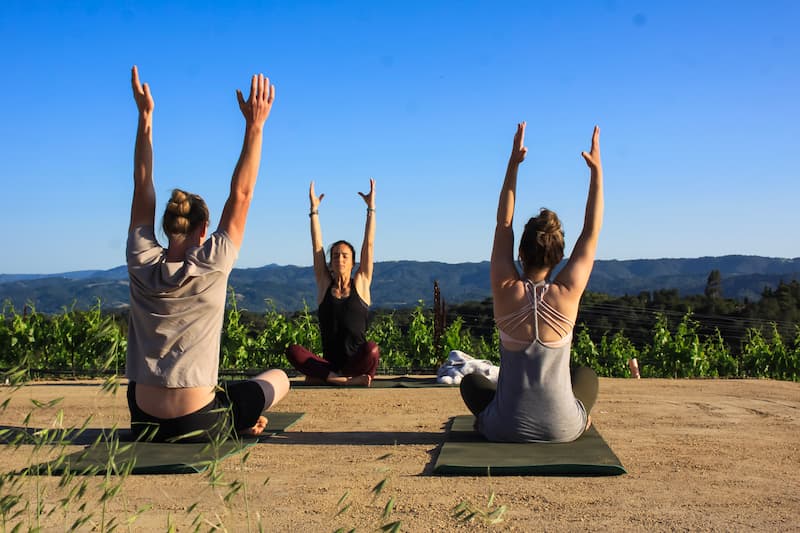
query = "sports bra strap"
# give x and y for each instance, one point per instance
(539, 308)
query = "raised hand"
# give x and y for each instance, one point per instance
(518, 150)
(313, 198)
(369, 197)
(593, 157)
(258, 105)
(141, 93)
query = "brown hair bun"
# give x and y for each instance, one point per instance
(542, 242)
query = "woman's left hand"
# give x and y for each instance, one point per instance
(593, 157)
(369, 197)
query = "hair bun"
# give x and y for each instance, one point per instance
(184, 212)
(180, 204)
(542, 242)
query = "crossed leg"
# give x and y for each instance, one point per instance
(275, 386)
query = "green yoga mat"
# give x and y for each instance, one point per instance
(382, 383)
(466, 453)
(118, 456)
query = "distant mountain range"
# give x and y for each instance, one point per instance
(398, 284)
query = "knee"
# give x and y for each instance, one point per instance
(278, 377)
(274, 384)
(296, 354)
(584, 374)
(281, 381)
(372, 350)
(469, 383)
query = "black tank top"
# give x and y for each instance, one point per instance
(343, 324)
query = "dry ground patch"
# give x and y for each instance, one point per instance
(700, 454)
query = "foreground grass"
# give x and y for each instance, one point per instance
(222, 500)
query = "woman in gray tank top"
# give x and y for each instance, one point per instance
(537, 398)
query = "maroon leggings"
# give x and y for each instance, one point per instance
(365, 361)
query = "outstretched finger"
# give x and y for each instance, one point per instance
(596, 137)
(271, 97)
(146, 90)
(137, 87)
(253, 88)
(264, 94)
(240, 98)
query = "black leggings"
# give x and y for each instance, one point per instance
(478, 391)
(236, 406)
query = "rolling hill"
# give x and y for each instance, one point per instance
(399, 284)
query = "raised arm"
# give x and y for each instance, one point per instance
(321, 272)
(363, 277)
(255, 110)
(575, 275)
(143, 206)
(503, 270)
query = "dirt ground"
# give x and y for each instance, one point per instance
(718, 455)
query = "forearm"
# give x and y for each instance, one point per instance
(143, 152)
(246, 172)
(505, 207)
(593, 219)
(316, 232)
(369, 240)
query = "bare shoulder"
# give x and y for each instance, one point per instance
(563, 299)
(508, 297)
(323, 283)
(362, 283)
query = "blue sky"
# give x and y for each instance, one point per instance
(695, 101)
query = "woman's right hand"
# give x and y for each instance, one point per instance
(259, 103)
(313, 198)
(518, 150)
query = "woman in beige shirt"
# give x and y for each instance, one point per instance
(178, 295)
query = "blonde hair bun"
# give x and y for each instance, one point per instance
(184, 212)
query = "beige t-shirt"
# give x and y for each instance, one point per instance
(176, 310)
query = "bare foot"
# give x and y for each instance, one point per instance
(364, 380)
(258, 429)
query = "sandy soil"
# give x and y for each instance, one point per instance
(701, 455)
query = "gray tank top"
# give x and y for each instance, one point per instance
(534, 400)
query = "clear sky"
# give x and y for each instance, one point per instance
(696, 102)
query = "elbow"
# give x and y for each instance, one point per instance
(242, 195)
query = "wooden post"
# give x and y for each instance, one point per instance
(439, 321)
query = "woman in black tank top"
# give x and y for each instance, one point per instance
(343, 298)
